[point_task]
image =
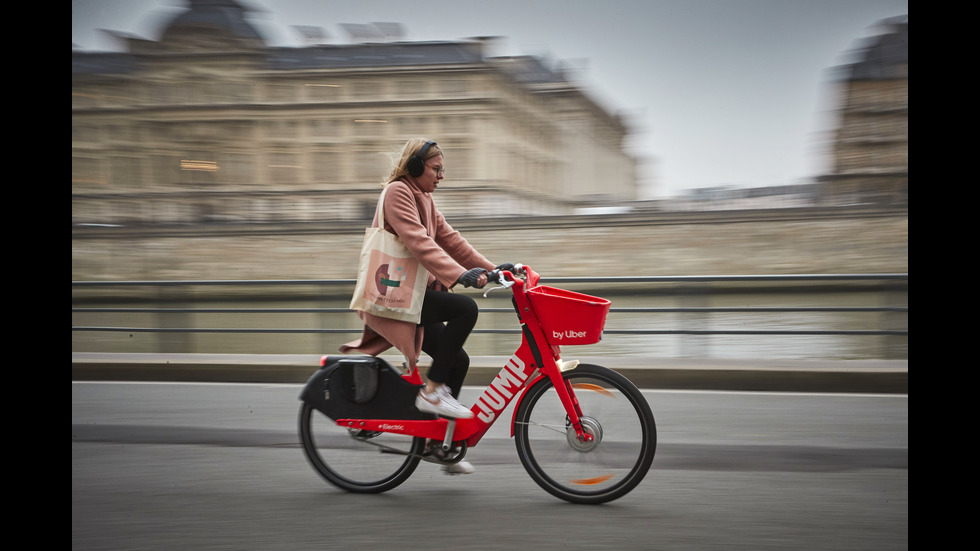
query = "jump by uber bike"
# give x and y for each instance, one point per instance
(584, 433)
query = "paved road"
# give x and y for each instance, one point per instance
(217, 466)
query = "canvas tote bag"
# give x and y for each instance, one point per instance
(390, 282)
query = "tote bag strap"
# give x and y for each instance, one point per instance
(381, 209)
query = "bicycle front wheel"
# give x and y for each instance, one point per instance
(356, 460)
(614, 413)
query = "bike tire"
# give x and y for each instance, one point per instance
(617, 415)
(354, 460)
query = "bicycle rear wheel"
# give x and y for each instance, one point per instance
(617, 416)
(355, 460)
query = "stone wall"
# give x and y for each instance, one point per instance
(584, 247)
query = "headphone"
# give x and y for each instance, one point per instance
(416, 163)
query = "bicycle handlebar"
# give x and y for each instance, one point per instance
(508, 278)
(494, 276)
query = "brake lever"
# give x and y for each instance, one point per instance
(505, 284)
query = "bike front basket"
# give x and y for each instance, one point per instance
(568, 317)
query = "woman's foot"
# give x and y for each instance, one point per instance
(433, 454)
(463, 467)
(441, 402)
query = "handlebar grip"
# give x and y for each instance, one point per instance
(498, 276)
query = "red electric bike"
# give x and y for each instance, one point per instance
(584, 433)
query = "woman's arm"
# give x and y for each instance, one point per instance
(401, 214)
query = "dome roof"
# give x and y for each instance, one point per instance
(225, 16)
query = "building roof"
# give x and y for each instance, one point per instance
(102, 63)
(228, 15)
(226, 24)
(374, 55)
(885, 56)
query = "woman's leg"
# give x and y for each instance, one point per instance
(435, 340)
(448, 320)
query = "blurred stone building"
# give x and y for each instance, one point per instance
(209, 124)
(871, 148)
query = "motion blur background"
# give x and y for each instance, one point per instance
(732, 174)
(220, 140)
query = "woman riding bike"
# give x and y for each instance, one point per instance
(447, 318)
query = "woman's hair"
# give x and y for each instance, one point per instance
(399, 168)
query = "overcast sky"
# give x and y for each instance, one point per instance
(716, 92)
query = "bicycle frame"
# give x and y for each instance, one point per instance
(535, 354)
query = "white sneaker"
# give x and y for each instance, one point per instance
(463, 467)
(441, 402)
(434, 454)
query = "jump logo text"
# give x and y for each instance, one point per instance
(495, 398)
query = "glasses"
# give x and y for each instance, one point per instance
(440, 170)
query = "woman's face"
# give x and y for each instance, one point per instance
(429, 180)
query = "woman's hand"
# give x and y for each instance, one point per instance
(476, 277)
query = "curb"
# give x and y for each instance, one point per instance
(857, 376)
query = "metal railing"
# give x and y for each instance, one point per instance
(900, 279)
(679, 310)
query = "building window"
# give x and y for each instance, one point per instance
(412, 89)
(453, 86)
(282, 130)
(326, 128)
(237, 168)
(125, 173)
(284, 168)
(86, 174)
(370, 166)
(324, 92)
(327, 167)
(281, 93)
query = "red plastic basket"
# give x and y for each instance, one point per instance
(568, 317)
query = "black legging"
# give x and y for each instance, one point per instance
(448, 319)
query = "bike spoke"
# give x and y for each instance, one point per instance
(557, 428)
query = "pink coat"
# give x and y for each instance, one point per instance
(412, 215)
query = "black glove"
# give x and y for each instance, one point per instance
(471, 278)
(505, 267)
